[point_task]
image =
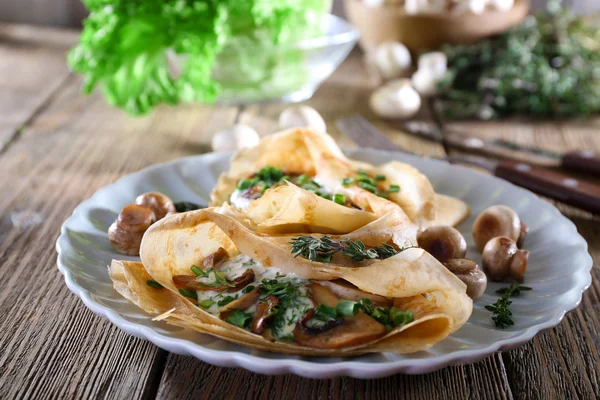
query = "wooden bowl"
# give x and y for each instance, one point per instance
(428, 31)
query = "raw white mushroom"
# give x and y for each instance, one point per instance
(237, 137)
(432, 68)
(474, 6)
(435, 61)
(392, 59)
(374, 3)
(502, 5)
(302, 117)
(398, 99)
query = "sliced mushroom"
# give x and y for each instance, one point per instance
(215, 258)
(469, 272)
(264, 311)
(127, 231)
(160, 204)
(347, 291)
(522, 234)
(443, 242)
(346, 332)
(244, 302)
(497, 256)
(496, 221)
(192, 283)
(321, 295)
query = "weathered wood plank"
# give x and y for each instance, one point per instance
(32, 68)
(189, 378)
(50, 343)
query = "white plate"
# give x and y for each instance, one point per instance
(559, 271)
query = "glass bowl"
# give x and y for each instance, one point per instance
(253, 73)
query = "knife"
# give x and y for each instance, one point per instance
(585, 161)
(548, 183)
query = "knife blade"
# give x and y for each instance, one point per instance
(548, 183)
(585, 161)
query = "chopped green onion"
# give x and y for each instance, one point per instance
(303, 180)
(154, 284)
(394, 189)
(362, 172)
(239, 318)
(206, 303)
(399, 317)
(246, 184)
(339, 199)
(248, 289)
(324, 312)
(380, 177)
(381, 314)
(367, 306)
(382, 194)
(347, 308)
(226, 301)
(347, 181)
(188, 293)
(366, 179)
(367, 186)
(198, 271)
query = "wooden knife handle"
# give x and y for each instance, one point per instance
(552, 184)
(583, 161)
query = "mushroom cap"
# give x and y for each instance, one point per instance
(443, 242)
(523, 233)
(497, 256)
(469, 272)
(300, 116)
(518, 265)
(496, 221)
(125, 234)
(160, 204)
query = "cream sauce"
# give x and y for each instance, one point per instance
(235, 267)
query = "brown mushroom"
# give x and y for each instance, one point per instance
(244, 302)
(160, 204)
(443, 242)
(469, 272)
(321, 295)
(497, 256)
(214, 258)
(192, 283)
(496, 221)
(522, 234)
(340, 333)
(518, 265)
(347, 291)
(127, 231)
(264, 311)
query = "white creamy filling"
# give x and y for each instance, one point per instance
(238, 201)
(235, 267)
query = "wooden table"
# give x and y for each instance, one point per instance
(58, 147)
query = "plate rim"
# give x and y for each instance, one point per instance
(309, 368)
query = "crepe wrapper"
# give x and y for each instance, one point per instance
(305, 151)
(414, 279)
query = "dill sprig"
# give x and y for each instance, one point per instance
(501, 314)
(323, 249)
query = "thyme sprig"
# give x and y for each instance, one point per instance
(322, 249)
(501, 314)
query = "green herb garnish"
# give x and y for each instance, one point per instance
(154, 284)
(248, 289)
(325, 313)
(206, 303)
(347, 181)
(323, 249)
(197, 271)
(240, 318)
(339, 199)
(501, 314)
(393, 189)
(368, 186)
(380, 177)
(188, 293)
(347, 308)
(226, 300)
(185, 206)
